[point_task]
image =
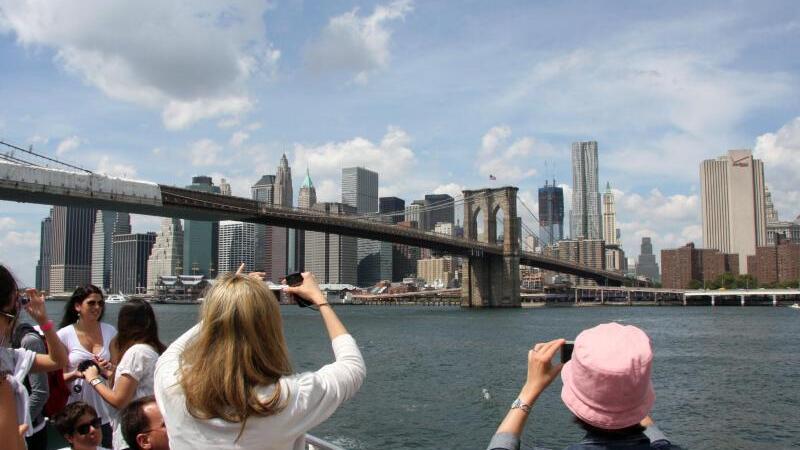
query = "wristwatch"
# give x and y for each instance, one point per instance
(99, 380)
(519, 404)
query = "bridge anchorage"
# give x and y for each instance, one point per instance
(490, 280)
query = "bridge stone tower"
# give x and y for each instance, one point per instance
(492, 281)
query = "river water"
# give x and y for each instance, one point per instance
(725, 377)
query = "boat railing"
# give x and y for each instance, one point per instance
(315, 443)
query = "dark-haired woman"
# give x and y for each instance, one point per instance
(88, 339)
(15, 364)
(137, 341)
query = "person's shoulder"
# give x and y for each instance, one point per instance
(65, 331)
(142, 350)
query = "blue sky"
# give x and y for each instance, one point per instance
(433, 95)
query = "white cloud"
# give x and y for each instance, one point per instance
(190, 59)
(780, 152)
(662, 105)
(115, 169)
(16, 239)
(238, 138)
(205, 152)
(7, 223)
(509, 163)
(357, 44)
(454, 190)
(392, 158)
(68, 144)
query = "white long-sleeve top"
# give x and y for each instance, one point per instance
(311, 398)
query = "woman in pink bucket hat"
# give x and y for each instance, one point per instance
(607, 387)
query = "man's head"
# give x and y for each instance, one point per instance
(80, 426)
(143, 425)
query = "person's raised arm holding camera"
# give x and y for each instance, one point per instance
(228, 380)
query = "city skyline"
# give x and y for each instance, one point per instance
(660, 89)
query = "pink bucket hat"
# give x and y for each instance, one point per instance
(607, 382)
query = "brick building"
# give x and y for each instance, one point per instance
(775, 264)
(680, 266)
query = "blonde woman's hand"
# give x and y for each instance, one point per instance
(308, 290)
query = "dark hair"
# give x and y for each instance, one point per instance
(68, 418)
(133, 420)
(613, 434)
(136, 324)
(78, 296)
(8, 290)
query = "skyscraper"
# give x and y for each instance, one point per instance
(306, 199)
(237, 245)
(393, 206)
(166, 257)
(225, 187)
(331, 257)
(609, 217)
(129, 271)
(551, 214)
(585, 215)
(647, 265)
(360, 190)
(72, 248)
(440, 208)
(283, 239)
(734, 204)
(586, 252)
(106, 225)
(45, 254)
(200, 238)
(264, 191)
(308, 194)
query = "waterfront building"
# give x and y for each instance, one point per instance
(437, 272)
(405, 257)
(237, 245)
(779, 263)
(264, 190)
(551, 213)
(392, 206)
(615, 259)
(166, 257)
(45, 254)
(586, 252)
(769, 207)
(647, 265)
(734, 204)
(445, 228)
(585, 214)
(331, 257)
(683, 265)
(225, 187)
(414, 212)
(439, 208)
(129, 271)
(201, 238)
(531, 243)
(360, 190)
(106, 225)
(72, 248)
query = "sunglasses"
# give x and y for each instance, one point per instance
(83, 429)
(99, 303)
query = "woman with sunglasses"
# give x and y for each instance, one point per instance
(138, 343)
(80, 426)
(15, 420)
(88, 340)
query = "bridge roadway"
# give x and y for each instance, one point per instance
(47, 186)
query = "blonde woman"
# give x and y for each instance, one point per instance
(228, 382)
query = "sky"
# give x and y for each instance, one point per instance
(435, 96)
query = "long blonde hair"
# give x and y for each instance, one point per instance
(240, 346)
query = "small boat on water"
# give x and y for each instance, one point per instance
(795, 306)
(116, 298)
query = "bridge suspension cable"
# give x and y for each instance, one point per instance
(32, 153)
